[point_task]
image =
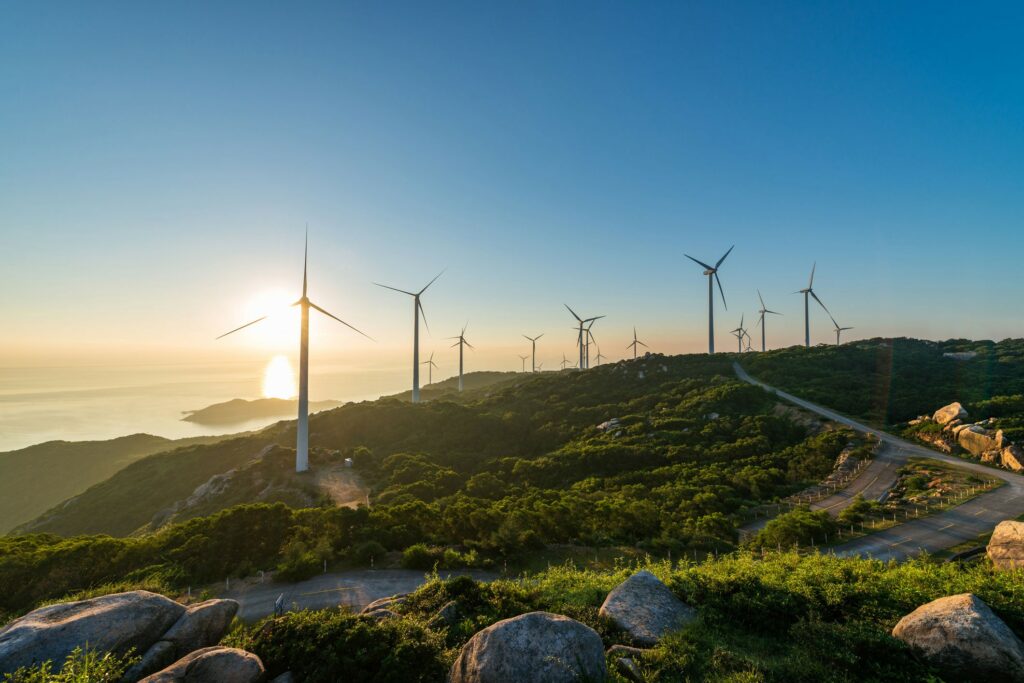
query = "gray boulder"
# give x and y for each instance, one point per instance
(160, 655)
(1006, 547)
(976, 440)
(110, 623)
(388, 603)
(537, 647)
(212, 665)
(965, 638)
(446, 617)
(646, 609)
(201, 625)
(954, 411)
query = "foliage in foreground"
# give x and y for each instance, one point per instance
(79, 667)
(782, 618)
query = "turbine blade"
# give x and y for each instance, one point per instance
(720, 290)
(760, 298)
(243, 327)
(432, 281)
(810, 285)
(724, 256)
(305, 261)
(573, 313)
(643, 345)
(699, 263)
(538, 336)
(394, 289)
(815, 296)
(331, 315)
(423, 313)
(468, 344)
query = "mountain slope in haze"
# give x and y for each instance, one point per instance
(241, 410)
(35, 478)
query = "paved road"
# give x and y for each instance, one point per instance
(356, 588)
(936, 532)
(873, 482)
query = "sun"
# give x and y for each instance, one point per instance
(278, 379)
(281, 327)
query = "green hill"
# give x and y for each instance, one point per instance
(35, 478)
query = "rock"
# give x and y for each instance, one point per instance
(286, 677)
(1012, 458)
(976, 440)
(212, 665)
(156, 658)
(538, 647)
(1006, 547)
(948, 413)
(646, 609)
(1001, 440)
(385, 603)
(381, 614)
(201, 625)
(110, 623)
(626, 651)
(965, 638)
(446, 617)
(629, 670)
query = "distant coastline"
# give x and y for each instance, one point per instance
(240, 410)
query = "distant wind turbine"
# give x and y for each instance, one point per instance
(565, 361)
(430, 368)
(533, 343)
(739, 333)
(580, 339)
(591, 338)
(540, 366)
(760, 321)
(461, 343)
(712, 273)
(523, 358)
(839, 330)
(304, 304)
(417, 310)
(809, 292)
(599, 356)
(635, 343)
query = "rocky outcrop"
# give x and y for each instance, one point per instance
(201, 625)
(646, 609)
(111, 623)
(1012, 458)
(954, 411)
(977, 440)
(1006, 547)
(538, 647)
(965, 639)
(212, 665)
(388, 604)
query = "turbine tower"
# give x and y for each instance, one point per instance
(712, 273)
(461, 343)
(809, 292)
(533, 343)
(417, 310)
(760, 321)
(581, 329)
(635, 343)
(591, 338)
(523, 358)
(430, 368)
(739, 333)
(839, 330)
(304, 304)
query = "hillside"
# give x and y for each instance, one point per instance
(240, 410)
(36, 478)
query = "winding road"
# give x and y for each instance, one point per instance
(928, 534)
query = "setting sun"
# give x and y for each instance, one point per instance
(278, 379)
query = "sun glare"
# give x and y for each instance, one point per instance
(281, 328)
(278, 379)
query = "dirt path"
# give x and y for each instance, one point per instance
(342, 484)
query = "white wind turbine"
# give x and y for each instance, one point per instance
(523, 358)
(712, 273)
(461, 343)
(533, 343)
(760, 321)
(565, 361)
(304, 304)
(417, 310)
(636, 342)
(580, 339)
(808, 293)
(739, 333)
(839, 330)
(430, 368)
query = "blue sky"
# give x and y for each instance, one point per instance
(159, 161)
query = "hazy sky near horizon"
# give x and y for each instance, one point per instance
(159, 160)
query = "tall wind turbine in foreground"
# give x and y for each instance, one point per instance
(523, 358)
(533, 343)
(739, 333)
(304, 304)
(417, 309)
(461, 343)
(712, 273)
(430, 368)
(760, 321)
(809, 292)
(839, 330)
(580, 340)
(635, 343)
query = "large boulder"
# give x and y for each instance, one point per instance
(1006, 547)
(202, 625)
(646, 609)
(1012, 458)
(965, 639)
(954, 411)
(212, 665)
(977, 440)
(538, 647)
(388, 603)
(110, 623)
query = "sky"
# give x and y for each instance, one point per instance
(159, 162)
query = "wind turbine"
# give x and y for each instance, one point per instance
(712, 273)
(582, 322)
(599, 356)
(430, 368)
(839, 330)
(809, 292)
(739, 333)
(760, 321)
(565, 361)
(591, 338)
(533, 342)
(417, 310)
(635, 343)
(304, 304)
(461, 343)
(540, 366)
(523, 358)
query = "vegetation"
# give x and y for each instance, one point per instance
(782, 618)
(79, 667)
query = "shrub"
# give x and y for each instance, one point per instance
(797, 527)
(79, 667)
(366, 551)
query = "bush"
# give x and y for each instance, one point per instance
(79, 667)
(800, 526)
(856, 511)
(366, 551)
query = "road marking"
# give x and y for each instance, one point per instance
(980, 511)
(328, 590)
(945, 527)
